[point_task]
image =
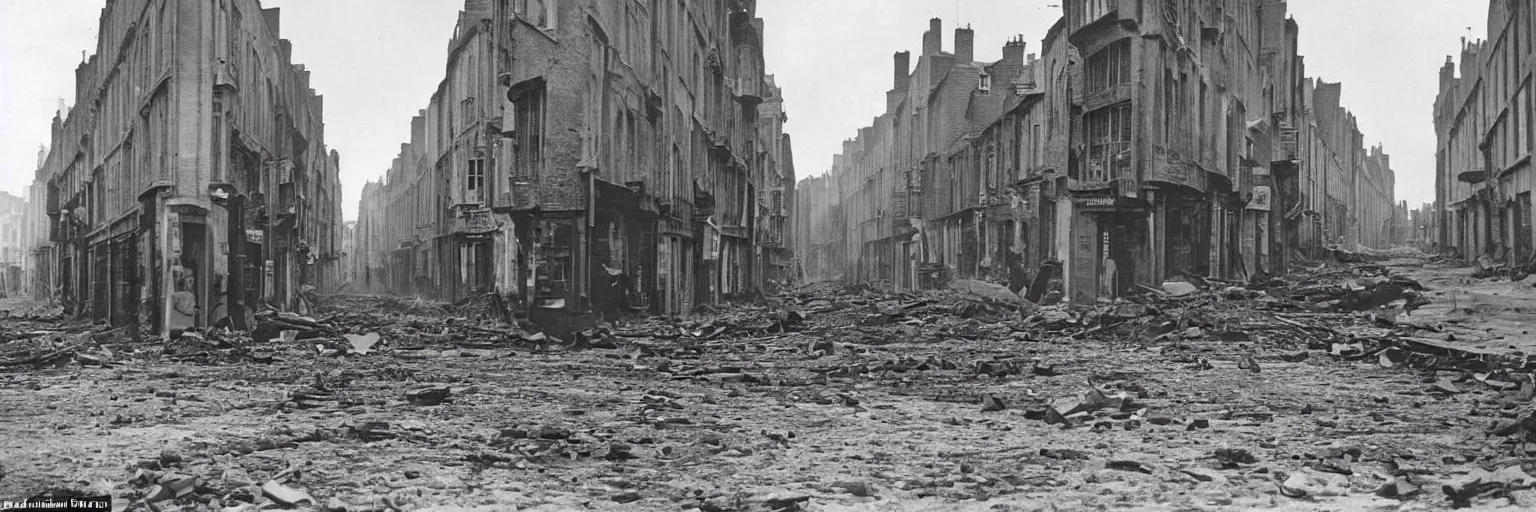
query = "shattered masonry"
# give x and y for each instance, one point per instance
(567, 163)
(190, 183)
(1141, 145)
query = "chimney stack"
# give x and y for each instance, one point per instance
(1447, 72)
(902, 70)
(932, 38)
(965, 45)
(1013, 51)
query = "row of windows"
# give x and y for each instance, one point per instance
(632, 137)
(1108, 67)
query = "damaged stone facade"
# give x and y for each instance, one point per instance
(1485, 125)
(190, 185)
(588, 158)
(1424, 226)
(349, 260)
(14, 253)
(1148, 141)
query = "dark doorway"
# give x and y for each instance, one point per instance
(101, 280)
(1523, 243)
(194, 279)
(125, 266)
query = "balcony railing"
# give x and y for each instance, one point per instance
(474, 197)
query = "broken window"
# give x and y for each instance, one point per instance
(1109, 138)
(539, 13)
(553, 270)
(1201, 124)
(234, 35)
(98, 197)
(1170, 88)
(1109, 67)
(474, 182)
(529, 138)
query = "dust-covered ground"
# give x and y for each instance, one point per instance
(1337, 388)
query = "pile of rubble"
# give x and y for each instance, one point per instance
(51, 347)
(350, 326)
(1346, 310)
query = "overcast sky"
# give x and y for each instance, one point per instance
(378, 61)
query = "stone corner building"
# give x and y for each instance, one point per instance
(1150, 139)
(589, 157)
(190, 184)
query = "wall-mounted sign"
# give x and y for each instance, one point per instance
(478, 221)
(1260, 199)
(1093, 201)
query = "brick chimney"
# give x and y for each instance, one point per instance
(1447, 72)
(932, 38)
(902, 71)
(1013, 51)
(965, 45)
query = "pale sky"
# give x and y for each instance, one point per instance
(378, 61)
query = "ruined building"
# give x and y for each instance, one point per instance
(589, 157)
(348, 255)
(190, 184)
(13, 252)
(1485, 126)
(905, 176)
(1400, 229)
(1149, 140)
(774, 179)
(1426, 226)
(42, 276)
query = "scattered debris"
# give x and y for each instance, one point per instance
(608, 402)
(284, 495)
(991, 403)
(361, 344)
(434, 395)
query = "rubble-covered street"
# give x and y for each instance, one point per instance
(1343, 387)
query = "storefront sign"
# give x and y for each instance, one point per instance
(254, 236)
(1094, 201)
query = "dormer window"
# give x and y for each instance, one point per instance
(539, 13)
(985, 86)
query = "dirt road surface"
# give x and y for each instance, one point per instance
(822, 400)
